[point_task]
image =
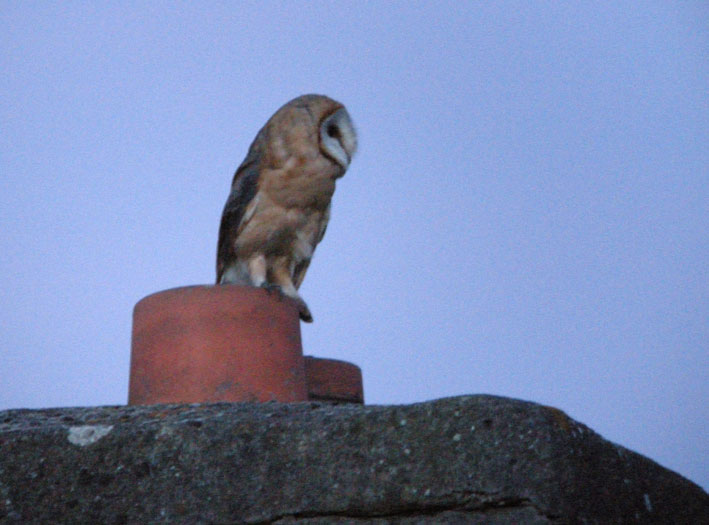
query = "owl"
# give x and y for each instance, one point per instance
(279, 204)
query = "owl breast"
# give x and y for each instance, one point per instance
(285, 228)
(302, 183)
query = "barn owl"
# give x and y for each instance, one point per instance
(279, 204)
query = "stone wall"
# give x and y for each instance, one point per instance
(471, 459)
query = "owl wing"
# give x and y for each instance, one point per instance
(234, 216)
(244, 187)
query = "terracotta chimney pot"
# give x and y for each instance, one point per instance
(199, 344)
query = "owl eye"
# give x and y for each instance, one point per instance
(333, 131)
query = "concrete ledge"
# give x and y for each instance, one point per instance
(471, 459)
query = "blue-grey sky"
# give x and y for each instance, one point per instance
(527, 215)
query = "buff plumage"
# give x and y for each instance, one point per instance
(279, 204)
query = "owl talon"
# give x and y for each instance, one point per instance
(304, 312)
(273, 288)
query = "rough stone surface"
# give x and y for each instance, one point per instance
(472, 459)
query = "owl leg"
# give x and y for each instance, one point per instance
(257, 269)
(237, 273)
(259, 275)
(281, 276)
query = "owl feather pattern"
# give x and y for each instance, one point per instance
(279, 204)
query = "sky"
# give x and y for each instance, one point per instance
(527, 214)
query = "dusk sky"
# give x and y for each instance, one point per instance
(527, 214)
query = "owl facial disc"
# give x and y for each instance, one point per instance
(338, 138)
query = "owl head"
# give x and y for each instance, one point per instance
(305, 128)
